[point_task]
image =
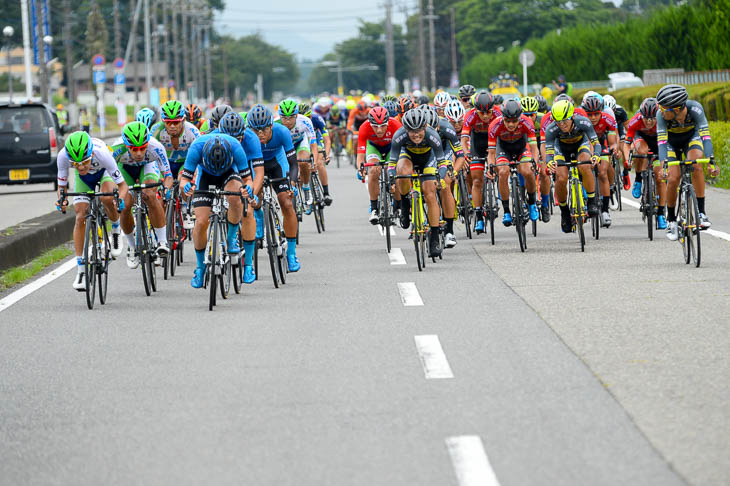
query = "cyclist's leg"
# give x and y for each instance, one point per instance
(322, 170)
(503, 157)
(674, 174)
(694, 152)
(126, 219)
(201, 207)
(373, 155)
(151, 174)
(403, 187)
(478, 149)
(232, 182)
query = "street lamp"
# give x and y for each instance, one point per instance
(48, 40)
(8, 32)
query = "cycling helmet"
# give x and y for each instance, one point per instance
(442, 99)
(672, 96)
(529, 105)
(455, 111)
(542, 104)
(305, 109)
(193, 114)
(217, 155)
(392, 107)
(259, 117)
(79, 146)
(350, 104)
(415, 119)
(466, 91)
(498, 99)
(135, 134)
(562, 110)
(609, 101)
(423, 100)
(362, 105)
(232, 124)
(563, 97)
(288, 107)
(648, 108)
(588, 95)
(172, 111)
(335, 110)
(378, 116)
(244, 115)
(511, 109)
(593, 104)
(217, 115)
(435, 118)
(484, 101)
(387, 98)
(146, 116)
(405, 104)
(324, 102)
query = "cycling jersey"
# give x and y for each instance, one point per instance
(336, 122)
(425, 156)
(367, 135)
(560, 144)
(621, 118)
(194, 159)
(450, 140)
(303, 131)
(251, 145)
(636, 127)
(356, 118)
(606, 125)
(176, 154)
(473, 123)
(279, 155)
(155, 154)
(101, 161)
(320, 129)
(693, 132)
(547, 119)
(523, 134)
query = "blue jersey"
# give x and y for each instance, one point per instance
(238, 162)
(320, 128)
(280, 141)
(252, 146)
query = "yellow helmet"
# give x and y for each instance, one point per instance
(562, 110)
(59, 106)
(351, 104)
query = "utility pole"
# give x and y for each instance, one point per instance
(193, 58)
(166, 49)
(421, 46)
(225, 72)
(432, 45)
(390, 82)
(133, 40)
(155, 47)
(117, 29)
(176, 49)
(199, 58)
(454, 68)
(208, 67)
(26, 48)
(185, 40)
(67, 45)
(40, 45)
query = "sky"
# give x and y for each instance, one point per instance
(307, 29)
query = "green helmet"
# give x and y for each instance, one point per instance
(305, 109)
(529, 104)
(79, 146)
(243, 114)
(288, 108)
(135, 134)
(172, 110)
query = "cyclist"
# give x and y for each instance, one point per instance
(392, 108)
(215, 117)
(147, 116)
(641, 138)
(531, 109)
(323, 146)
(571, 136)
(373, 145)
(337, 126)
(465, 93)
(404, 104)
(542, 104)
(218, 160)
(512, 137)
(93, 164)
(453, 151)
(305, 143)
(280, 160)
(683, 130)
(475, 140)
(440, 101)
(605, 128)
(194, 115)
(142, 159)
(417, 148)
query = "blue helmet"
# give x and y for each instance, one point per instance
(259, 117)
(217, 155)
(392, 108)
(147, 116)
(232, 124)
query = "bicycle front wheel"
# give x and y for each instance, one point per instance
(271, 241)
(517, 212)
(90, 256)
(212, 252)
(650, 204)
(488, 207)
(102, 267)
(417, 228)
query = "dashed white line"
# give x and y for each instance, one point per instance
(470, 462)
(409, 294)
(382, 231)
(396, 257)
(433, 359)
(717, 234)
(630, 202)
(36, 284)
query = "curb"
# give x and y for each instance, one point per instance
(33, 237)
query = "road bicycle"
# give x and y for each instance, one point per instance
(176, 233)
(649, 201)
(576, 199)
(318, 204)
(144, 236)
(464, 206)
(490, 207)
(419, 218)
(520, 211)
(274, 237)
(386, 215)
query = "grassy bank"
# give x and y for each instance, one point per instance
(16, 275)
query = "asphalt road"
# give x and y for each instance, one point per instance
(490, 367)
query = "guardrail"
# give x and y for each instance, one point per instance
(700, 77)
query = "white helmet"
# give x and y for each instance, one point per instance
(454, 111)
(589, 94)
(609, 101)
(442, 99)
(417, 93)
(324, 102)
(342, 105)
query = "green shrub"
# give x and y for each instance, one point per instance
(720, 132)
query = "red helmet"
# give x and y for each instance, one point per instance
(484, 101)
(362, 106)
(378, 116)
(193, 114)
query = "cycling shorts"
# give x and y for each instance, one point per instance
(303, 145)
(376, 153)
(681, 144)
(274, 170)
(175, 168)
(148, 172)
(205, 181)
(87, 183)
(423, 163)
(650, 141)
(508, 151)
(570, 151)
(479, 146)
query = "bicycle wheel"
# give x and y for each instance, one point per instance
(578, 212)
(416, 225)
(141, 229)
(693, 214)
(102, 267)
(650, 203)
(281, 263)
(488, 210)
(170, 227)
(91, 242)
(618, 182)
(151, 257)
(211, 267)
(517, 212)
(318, 193)
(271, 243)
(465, 199)
(237, 268)
(315, 206)
(384, 209)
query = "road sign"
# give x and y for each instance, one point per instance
(99, 77)
(98, 60)
(119, 63)
(527, 57)
(119, 79)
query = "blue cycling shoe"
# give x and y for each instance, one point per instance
(507, 219)
(293, 263)
(259, 216)
(233, 247)
(534, 215)
(479, 227)
(636, 190)
(198, 275)
(249, 274)
(661, 222)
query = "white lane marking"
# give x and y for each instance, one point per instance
(382, 231)
(433, 359)
(470, 462)
(36, 284)
(717, 234)
(396, 257)
(409, 294)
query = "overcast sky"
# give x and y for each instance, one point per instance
(307, 29)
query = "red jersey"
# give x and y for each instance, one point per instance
(472, 122)
(367, 134)
(498, 131)
(605, 125)
(547, 119)
(636, 124)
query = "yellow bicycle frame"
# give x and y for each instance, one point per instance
(576, 193)
(418, 212)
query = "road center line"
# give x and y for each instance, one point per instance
(36, 284)
(717, 234)
(396, 257)
(382, 231)
(409, 294)
(433, 359)
(470, 462)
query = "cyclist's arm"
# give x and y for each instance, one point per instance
(63, 165)
(661, 136)
(703, 128)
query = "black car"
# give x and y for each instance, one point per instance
(30, 139)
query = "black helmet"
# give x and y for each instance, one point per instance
(593, 104)
(405, 104)
(672, 96)
(484, 101)
(543, 103)
(259, 117)
(423, 100)
(511, 109)
(218, 113)
(415, 119)
(433, 121)
(498, 99)
(466, 91)
(648, 108)
(232, 124)
(562, 96)
(217, 155)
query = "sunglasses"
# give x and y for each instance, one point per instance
(143, 148)
(261, 130)
(465, 100)
(86, 161)
(512, 120)
(671, 110)
(172, 122)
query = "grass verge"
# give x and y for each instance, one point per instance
(16, 275)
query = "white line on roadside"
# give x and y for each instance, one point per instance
(396, 257)
(717, 234)
(433, 359)
(409, 294)
(36, 284)
(470, 462)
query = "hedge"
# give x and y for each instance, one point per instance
(720, 132)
